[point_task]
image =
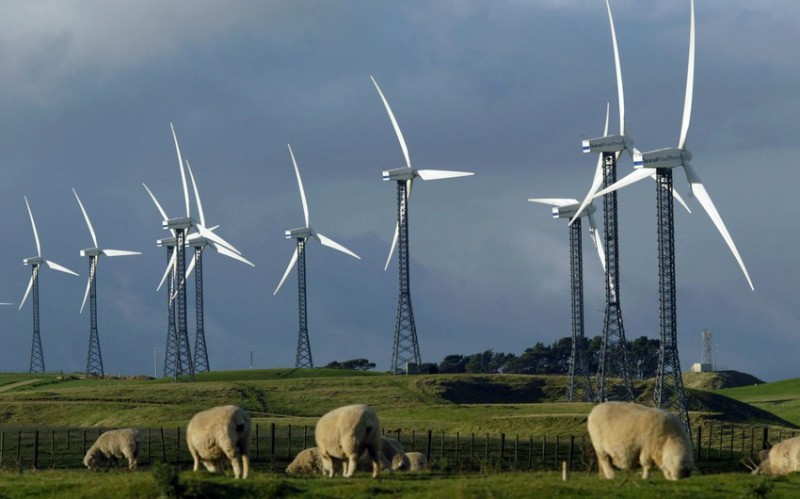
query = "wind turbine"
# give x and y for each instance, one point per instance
(301, 235)
(37, 357)
(669, 390)
(613, 361)
(567, 208)
(406, 346)
(178, 355)
(199, 242)
(94, 359)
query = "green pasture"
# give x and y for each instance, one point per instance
(124, 484)
(781, 398)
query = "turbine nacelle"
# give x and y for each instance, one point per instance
(400, 174)
(670, 157)
(570, 211)
(91, 252)
(301, 233)
(610, 143)
(34, 260)
(178, 223)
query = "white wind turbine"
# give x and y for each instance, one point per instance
(661, 162)
(37, 357)
(406, 345)
(301, 235)
(94, 359)
(566, 209)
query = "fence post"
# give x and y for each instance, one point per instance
(272, 443)
(84, 442)
(52, 448)
(752, 441)
(163, 447)
(2, 445)
(178, 445)
(721, 435)
(305, 437)
(289, 443)
(471, 450)
(765, 439)
(516, 451)
(413, 439)
(149, 446)
(571, 451)
(458, 440)
(441, 449)
(428, 451)
(530, 452)
(544, 447)
(257, 453)
(486, 450)
(733, 430)
(19, 449)
(710, 435)
(502, 448)
(36, 449)
(699, 442)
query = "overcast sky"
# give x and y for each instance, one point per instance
(506, 89)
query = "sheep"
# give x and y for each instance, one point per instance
(113, 445)
(393, 453)
(219, 433)
(343, 434)
(621, 432)
(414, 461)
(306, 462)
(782, 458)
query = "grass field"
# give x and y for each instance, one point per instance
(467, 404)
(123, 484)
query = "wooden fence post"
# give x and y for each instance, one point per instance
(36, 449)
(699, 442)
(544, 448)
(765, 439)
(272, 443)
(289, 443)
(428, 451)
(486, 450)
(571, 451)
(52, 448)
(149, 446)
(163, 447)
(502, 447)
(19, 449)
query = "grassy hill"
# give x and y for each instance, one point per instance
(781, 398)
(466, 403)
(717, 380)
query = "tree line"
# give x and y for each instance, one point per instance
(538, 359)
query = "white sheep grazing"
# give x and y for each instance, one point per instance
(416, 461)
(113, 445)
(393, 452)
(623, 433)
(343, 434)
(306, 462)
(219, 433)
(782, 458)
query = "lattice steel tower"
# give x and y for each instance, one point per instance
(669, 391)
(201, 364)
(37, 356)
(707, 357)
(405, 346)
(172, 361)
(94, 359)
(613, 362)
(578, 368)
(303, 356)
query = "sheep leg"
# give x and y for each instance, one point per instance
(350, 465)
(604, 463)
(196, 458)
(245, 465)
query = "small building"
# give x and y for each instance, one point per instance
(700, 367)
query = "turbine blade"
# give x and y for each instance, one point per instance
(173, 259)
(292, 261)
(633, 177)
(183, 174)
(559, 202)
(441, 174)
(35, 233)
(300, 185)
(598, 242)
(225, 251)
(158, 205)
(618, 69)
(86, 217)
(687, 104)
(86, 293)
(704, 199)
(27, 291)
(394, 244)
(196, 195)
(191, 266)
(60, 268)
(113, 252)
(326, 241)
(215, 238)
(597, 181)
(394, 124)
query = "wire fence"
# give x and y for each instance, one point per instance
(272, 447)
